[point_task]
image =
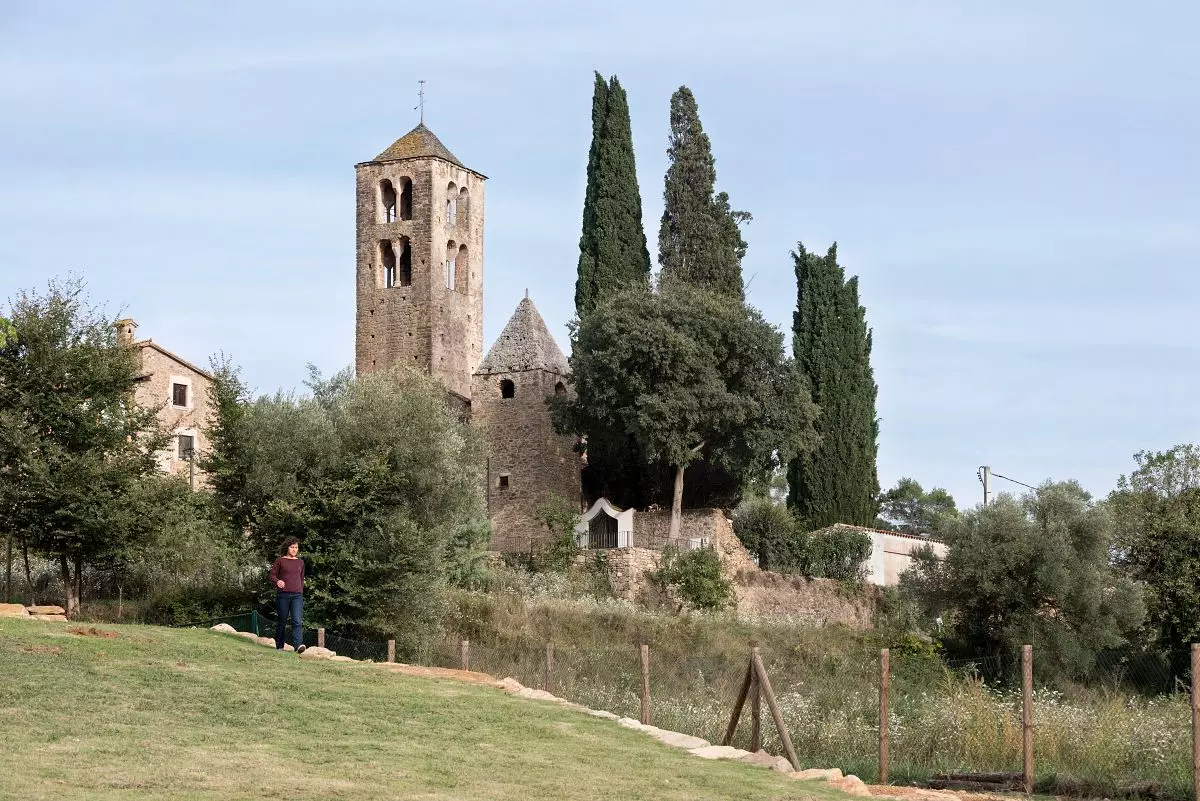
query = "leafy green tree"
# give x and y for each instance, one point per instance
(836, 482)
(696, 577)
(612, 248)
(688, 374)
(909, 509)
(699, 240)
(1157, 510)
(73, 441)
(768, 530)
(1030, 571)
(376, 476)
(838, 553)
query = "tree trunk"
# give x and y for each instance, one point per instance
(69, 584)
(676, 505)
(78, 584)
(8, 596)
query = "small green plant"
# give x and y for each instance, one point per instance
(695, 576)
(466, 554)
(558, 553)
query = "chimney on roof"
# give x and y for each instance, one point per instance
(126, 331)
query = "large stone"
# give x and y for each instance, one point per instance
(510, 685)
(600, 713)
(718, 752)
(536, 695)
(224, 628)
(13, 610)
(678, 740)
(316, 652)
(47, 610)
(851, 785)
(268, 641)
(630, 723)
(765, 760)
(50, 618)
(817, 774)
(337, 658)
(249, 635)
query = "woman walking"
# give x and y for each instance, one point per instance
(287, 574)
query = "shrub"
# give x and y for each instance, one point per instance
(696, 577)
(837, 554)
(768, 530)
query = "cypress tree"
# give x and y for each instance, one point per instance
(700, 239)
(612, 247)
(836, 483)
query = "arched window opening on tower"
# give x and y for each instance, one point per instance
(406, 198)
(387, 200)
(464, 208)
(560, 389)
(507, 388)
(404, 271)
(451, 264)
(451, 204)
(387, 257)
(462, 270)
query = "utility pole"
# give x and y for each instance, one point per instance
(985, 478)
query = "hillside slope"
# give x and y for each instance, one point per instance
(123, 712)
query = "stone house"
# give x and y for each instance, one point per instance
(182, 394)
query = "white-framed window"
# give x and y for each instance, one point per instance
(179, 392)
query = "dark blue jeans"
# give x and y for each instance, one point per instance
(289, 603)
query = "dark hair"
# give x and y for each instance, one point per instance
(289, 542)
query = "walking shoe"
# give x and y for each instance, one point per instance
(301, 649)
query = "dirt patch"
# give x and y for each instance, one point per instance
(42, 649)
(439, 673)
(92, 631)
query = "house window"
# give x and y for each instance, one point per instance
(179, 395)
(507, 388)
(502, 481)
(186, 446)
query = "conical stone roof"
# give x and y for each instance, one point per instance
(524, 344)
(419, 143)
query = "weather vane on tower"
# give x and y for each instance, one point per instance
(421, 101)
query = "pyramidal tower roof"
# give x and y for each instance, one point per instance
(419, 143)
(524, 344)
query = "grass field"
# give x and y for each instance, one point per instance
(142, 712)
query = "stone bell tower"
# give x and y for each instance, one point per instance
(419, 262)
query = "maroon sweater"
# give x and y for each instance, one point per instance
(290, 572)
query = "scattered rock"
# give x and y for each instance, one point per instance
(52, 618)
(286, 647)
(765, 760)
(510, 685)
(535, 695)
(851, 785)
(268, 641)
(600, 713)
(317, 652)
(249, 635)
(718, 752)
(224, 628)
(46, 610)
(630, 723)
(823, 774)
(13, 610)
(678, 740)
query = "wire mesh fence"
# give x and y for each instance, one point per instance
(1124, 728)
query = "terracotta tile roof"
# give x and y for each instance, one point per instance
(150, 343)
(869, 530)
(524, 344)
(419, 143)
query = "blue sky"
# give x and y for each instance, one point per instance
(1014, 183)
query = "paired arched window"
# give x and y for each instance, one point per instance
(406, 193)
(462, 267)
(397, 270)
(451, 265)
(387, 201)
(451, 204)
(464, 208)
(507, 388)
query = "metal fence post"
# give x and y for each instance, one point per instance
(254, 621)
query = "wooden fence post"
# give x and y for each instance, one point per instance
(321, 638)
(755, 715)
(738, 704)
(776, 713)
(391, 650)
(549, 667)
(885, 681)
(1027, 714)
(645, 649)
(464, 654)
(1196, 722)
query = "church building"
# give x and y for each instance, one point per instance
(419, 286)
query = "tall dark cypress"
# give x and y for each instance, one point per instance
(699, 240)
(836, 483)
(612, 247)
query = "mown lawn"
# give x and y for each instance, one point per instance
(190, 714)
